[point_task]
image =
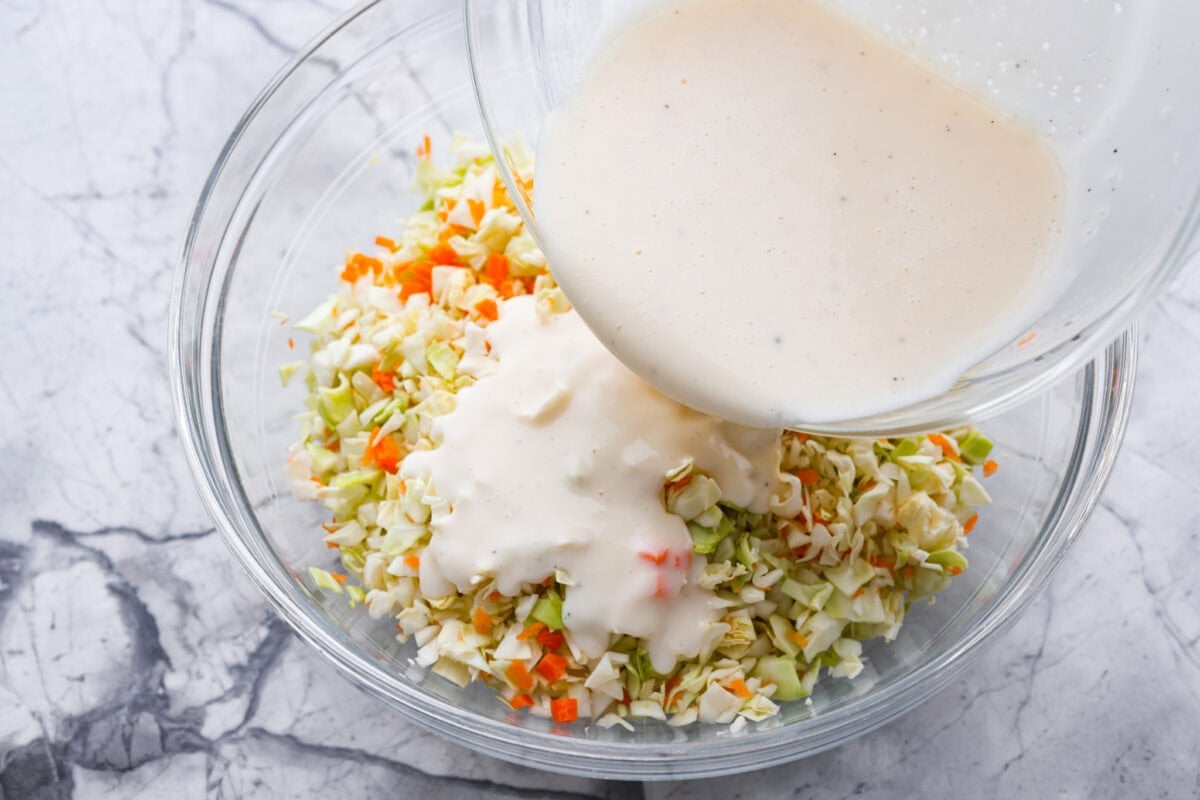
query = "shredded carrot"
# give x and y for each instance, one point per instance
(519, 675)
(443, 254)
(386, 243)
(450, 231)
(412, 561)
(955, 570)
(478, 209)
(521, 701)
(384, 380)
(494, 596)
(565, 709)
(339, 577)
(908, 573)
(481, 620)
(879, 561)
(868, 486)
(808, 477)
(680, 483)
(551, 667)
(332, 545)
(425, 148)
(496, 269)
(384, 451)
(1027, 338)
(798, 637)
(551, 640)
(415, 279)
(989, 468)
(291, 344)
(802, 437)
(487, 309)
(358, 265)
(548, 581)
(948, 449)
(859, 593)
(739, 688)
(530, 632)
(969, 525)
(653, 558)
(668, 691)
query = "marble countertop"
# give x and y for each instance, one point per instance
(135, 662)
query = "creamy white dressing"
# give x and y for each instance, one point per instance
(555, 459)
(778, 217)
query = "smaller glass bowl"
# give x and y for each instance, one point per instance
(322, 162)
(1124, 117)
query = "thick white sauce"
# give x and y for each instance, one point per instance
(778, 217)
(555, 459)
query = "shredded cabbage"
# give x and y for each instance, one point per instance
(859, 529)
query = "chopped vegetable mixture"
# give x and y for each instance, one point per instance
(860, 531)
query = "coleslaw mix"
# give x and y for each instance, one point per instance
(860, 530)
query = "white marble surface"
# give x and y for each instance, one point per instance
(134, 662)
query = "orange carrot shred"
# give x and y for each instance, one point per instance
(989, 468)
(1027, 338)
(386, 243)
(955, 570)
(739, 688)
(412, 561)
(496, 269)
(531, 631)
(565, 709)
(679, 483)
(654, 558)
(443, 254)
(551, 667)
(339, 577)
(387, 454)
(969, 525)
(481, 620)
(947, 448)
(521, 701)
(384, 380)
(808, 477)
(518, 673)
(478, 209)
(487, 309)
(291, 344)
(798, 637)
(425, 148)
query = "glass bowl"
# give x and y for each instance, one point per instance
(1111, 85)
(321, 163)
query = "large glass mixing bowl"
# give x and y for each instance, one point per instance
(1111, 85)
(321, 163)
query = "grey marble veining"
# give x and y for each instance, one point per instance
(136, 662)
